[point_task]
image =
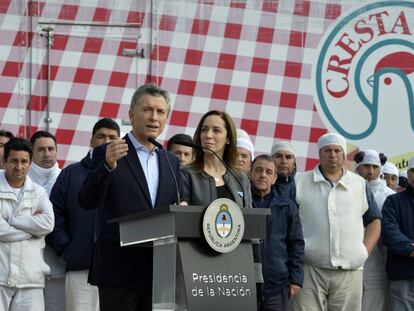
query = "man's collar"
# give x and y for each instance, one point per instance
(137, 145)
(319, 176)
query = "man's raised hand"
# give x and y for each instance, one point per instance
(116, 150)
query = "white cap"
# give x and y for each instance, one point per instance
(332, 139)
(243, 141)
(403, 174)
(410, 163)
(370, 157)
(282, 146)
(390, 168)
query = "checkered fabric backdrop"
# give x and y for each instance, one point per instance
(250, 58)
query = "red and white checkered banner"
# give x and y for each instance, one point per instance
(253, 59)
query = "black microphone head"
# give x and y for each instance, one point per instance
(188, 144)
(154, 142)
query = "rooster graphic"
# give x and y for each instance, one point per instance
(388, 95)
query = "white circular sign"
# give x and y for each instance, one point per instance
(364, 77)
(223, 225)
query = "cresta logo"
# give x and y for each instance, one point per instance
(364, 76)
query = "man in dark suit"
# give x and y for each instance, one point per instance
(131, 175)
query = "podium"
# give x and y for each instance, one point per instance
(187, 273)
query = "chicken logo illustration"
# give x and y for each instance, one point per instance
(364, 76)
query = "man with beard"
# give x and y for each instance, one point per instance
(284, 156)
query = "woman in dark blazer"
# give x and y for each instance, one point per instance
(207, 179)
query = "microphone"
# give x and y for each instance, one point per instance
(159, 146)
(199, 147)
(155, 143)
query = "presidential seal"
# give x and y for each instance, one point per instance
(223, 225)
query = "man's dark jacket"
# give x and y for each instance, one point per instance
(285, 187)
(73, 234)
(284, 246)
(121, 192)
(398, 234)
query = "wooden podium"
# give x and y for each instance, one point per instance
(187, 273)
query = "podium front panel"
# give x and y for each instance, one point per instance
(215, 281)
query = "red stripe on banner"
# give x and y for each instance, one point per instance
(5, 99)
(38, 103)
(254, 96)
(60, 42)
(288, 100)
(118, 79)
(61, 163)
(83, 75)
(302, 8)
(135, 17)
(160, 53)
(332, 11)
(68, 12)
(293, 69)
(4, 6)
(270, 5)
(260, 65)
(250, 126)
(12, 69)
(26, 131)
(93, 45)
(35, 8)
(311, 163)
(232, 31)
(265, 34)
(193, 57)
(43, 72)
(23, 38)
(220, 91)
(297, 38)
(315, 133)
(226, 61)
(283, 131)
(200, 27)
(73, 106)
(101, 15)
(109, 110)
(179, 118)
(167, 22)
(64, 136)
(186, 87)
(238, 4)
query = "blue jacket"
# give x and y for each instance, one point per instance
(285, 187)
(398, 234)
(283, 249)
(73, 234)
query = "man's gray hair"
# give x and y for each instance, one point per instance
(152, 90)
